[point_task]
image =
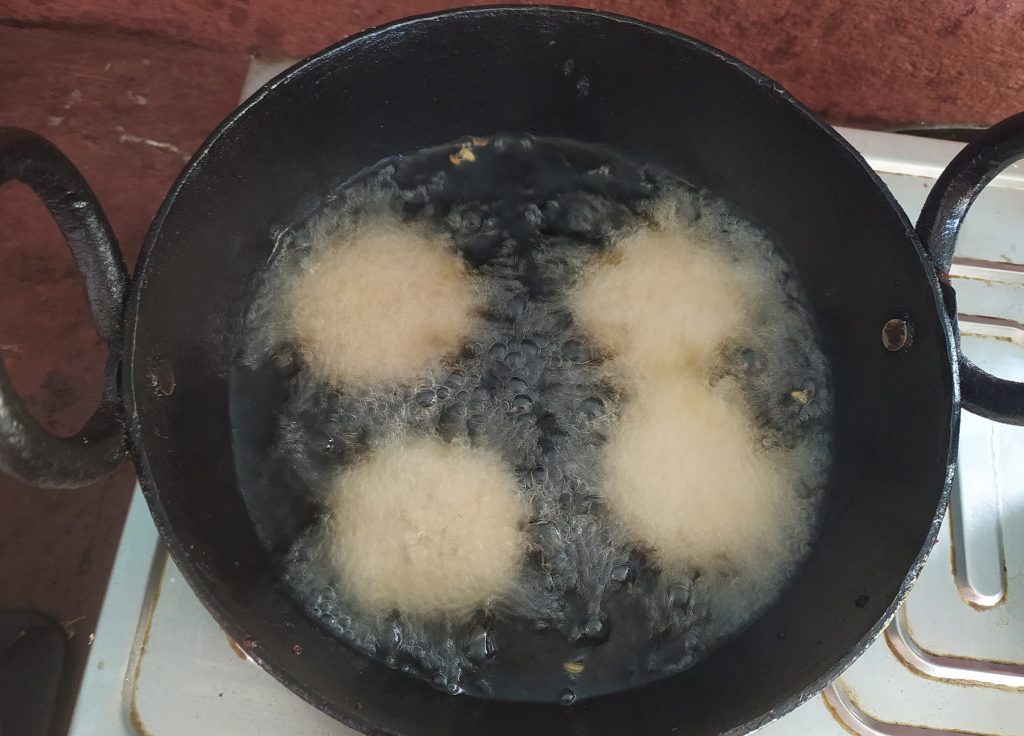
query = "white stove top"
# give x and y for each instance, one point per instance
(950, 663)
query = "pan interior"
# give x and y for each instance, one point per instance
(594, 609)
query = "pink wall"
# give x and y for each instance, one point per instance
(872, 62)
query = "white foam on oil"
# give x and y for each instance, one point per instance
(425, 527)
(608, 332)
(683, 308)
(685, 474)
(383, 304)
(662, 300)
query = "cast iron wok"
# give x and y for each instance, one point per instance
(645, 91)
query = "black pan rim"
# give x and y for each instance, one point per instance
(221, 613)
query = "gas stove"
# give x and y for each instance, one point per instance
(951, 662)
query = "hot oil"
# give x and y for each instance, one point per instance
(592, 610)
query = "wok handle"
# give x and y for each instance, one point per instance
(938, 226)
(27, 450)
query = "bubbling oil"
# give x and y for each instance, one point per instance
(597, 601)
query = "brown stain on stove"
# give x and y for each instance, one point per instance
(133, 717)
(836, 715)
(971, 684)
(133, 710)
(952, 511)
(859, 711)
(239, 652)
(1000, 338)
(1005, 263)
(980, 279)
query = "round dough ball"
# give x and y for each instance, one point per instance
(686, 477)
(383, 305)
(426, 528)
(662, 300)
